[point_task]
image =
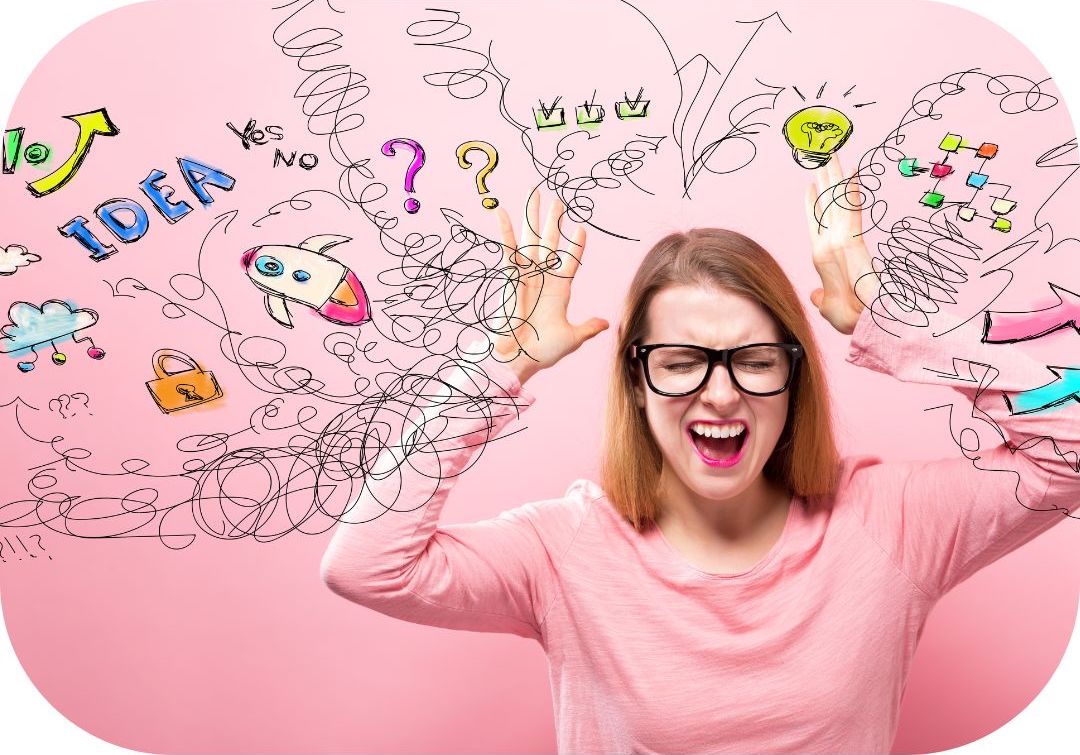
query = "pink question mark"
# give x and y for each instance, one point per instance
(411, 204)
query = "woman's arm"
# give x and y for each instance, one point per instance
(390, 554)
(497, 575)
(942, 521)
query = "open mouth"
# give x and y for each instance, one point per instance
(719, 445)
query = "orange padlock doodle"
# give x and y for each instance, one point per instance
(174, 391)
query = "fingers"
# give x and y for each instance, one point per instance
(817, 296)
(592, 327)
(812, 221)
(530, 223)
(506, 228)
(551, 227)
(571, 259)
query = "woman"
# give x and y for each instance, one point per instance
(732, 587)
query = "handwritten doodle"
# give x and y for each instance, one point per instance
(32, 326)
(464, 163)
(313, 279)
(11, 552)
(1010, 327)
(253, 135)
(331, 91)
(92, 123)
(185, 388)
(1065, 388)
(412, 205)
(127, 220)
(815, 133)
(68, 405)
(15, 256)
(14, 153)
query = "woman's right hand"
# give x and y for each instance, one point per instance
(536, 333)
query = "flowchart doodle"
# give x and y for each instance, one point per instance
(54, 321)
(978, 180)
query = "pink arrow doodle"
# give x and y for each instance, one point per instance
(1010, 327)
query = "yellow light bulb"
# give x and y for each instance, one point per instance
(814, 133)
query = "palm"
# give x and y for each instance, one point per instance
(534, 332)
(840, 256)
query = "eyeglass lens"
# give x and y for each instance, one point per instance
(756, 369)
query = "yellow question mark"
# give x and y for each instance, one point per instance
(481, 177)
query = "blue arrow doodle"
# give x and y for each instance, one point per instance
(1054, 393)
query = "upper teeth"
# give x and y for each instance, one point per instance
(717, 431)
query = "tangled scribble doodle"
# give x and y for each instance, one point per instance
(297, 415)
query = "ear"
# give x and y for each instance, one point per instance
(639, 386)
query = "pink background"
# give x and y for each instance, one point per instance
(234, 645)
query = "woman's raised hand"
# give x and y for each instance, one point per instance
(536, 333)
(839, 253)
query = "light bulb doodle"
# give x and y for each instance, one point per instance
(32, 326)
(815, 133)
(313, 279)
(481, 176)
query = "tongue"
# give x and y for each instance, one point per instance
(717, 448)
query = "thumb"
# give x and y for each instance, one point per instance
(591, 327)
(817, 296)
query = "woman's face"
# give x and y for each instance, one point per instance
(694, 466)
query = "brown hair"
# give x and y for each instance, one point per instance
(805, 459)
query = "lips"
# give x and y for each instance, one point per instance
(719, 451)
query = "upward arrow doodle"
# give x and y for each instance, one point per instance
(1009, 327)
(1055, 393)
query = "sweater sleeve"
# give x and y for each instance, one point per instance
(390, 554)
(944, 520)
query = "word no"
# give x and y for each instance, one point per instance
(90, 124)
(127, 220)
(257, 136)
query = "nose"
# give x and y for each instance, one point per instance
(719, 390)
(248, 256)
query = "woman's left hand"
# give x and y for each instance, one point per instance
(839, 253)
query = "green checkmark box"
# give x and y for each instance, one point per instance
(553, 118)
(639, 109)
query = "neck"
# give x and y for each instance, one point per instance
(760, 509)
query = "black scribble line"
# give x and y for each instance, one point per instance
(969, 442)
(796, 89)
(924, 263)
(822, 89)
(331, 92)
(849, 91)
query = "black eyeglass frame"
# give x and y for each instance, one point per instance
(640, 353)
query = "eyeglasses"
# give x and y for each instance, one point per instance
(757, 369)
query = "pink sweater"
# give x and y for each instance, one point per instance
(808, 651)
